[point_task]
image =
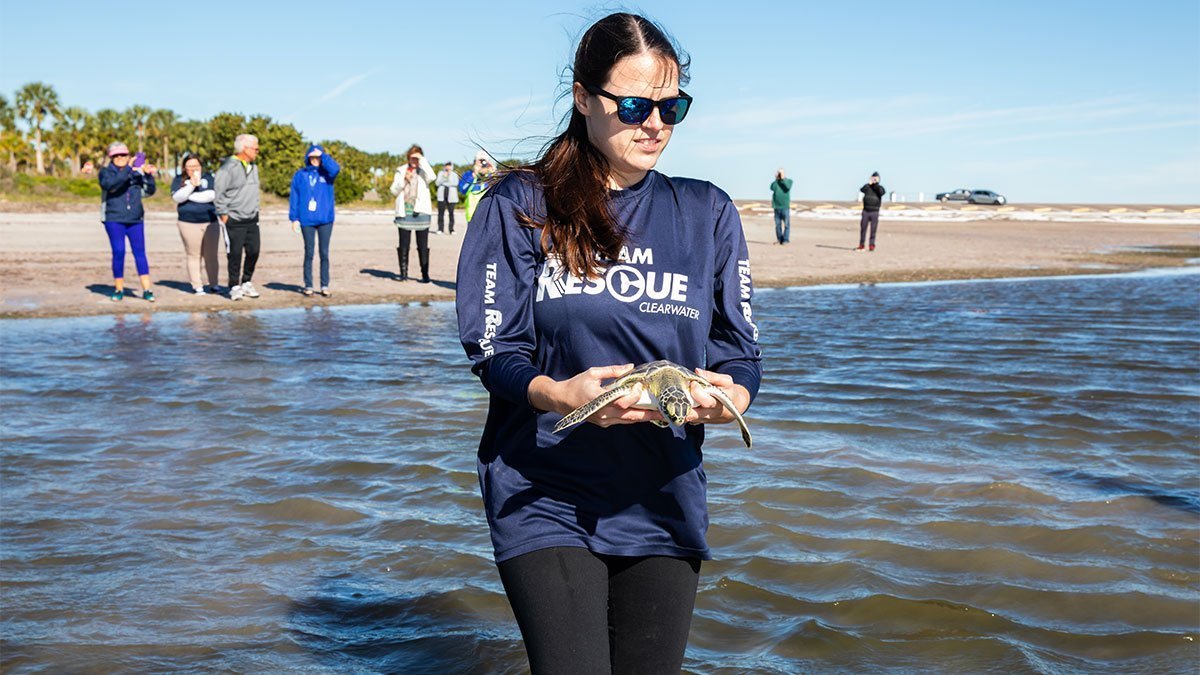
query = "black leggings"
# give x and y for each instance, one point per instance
(581, 612)
(406, 239)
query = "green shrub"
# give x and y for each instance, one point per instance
(346, 189)
(24, 183)
(82, 187)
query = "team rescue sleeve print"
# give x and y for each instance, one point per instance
(733, 338)
(496, 273)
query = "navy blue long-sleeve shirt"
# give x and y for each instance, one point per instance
(123, 188)
(681, 290)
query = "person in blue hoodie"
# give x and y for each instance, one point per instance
(123, 182)
(311, 210)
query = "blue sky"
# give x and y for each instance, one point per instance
(1043, 101)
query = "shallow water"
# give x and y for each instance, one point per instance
(996, 476)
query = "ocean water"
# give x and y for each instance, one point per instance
(966, 477)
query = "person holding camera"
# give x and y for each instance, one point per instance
(447, 194)
(193, 191)
(781, 202)
(474, 182)
(872, 199)
(123, 183)
(414, 210)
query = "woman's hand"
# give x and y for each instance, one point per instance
(563, 397)
(708, 409)
(195, 178)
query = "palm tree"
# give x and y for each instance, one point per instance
(8, 132)
(194, 136)
(35, 102)
(72, 135)
(8, 116)
(110, 125)
(161, 124)
(136, 116)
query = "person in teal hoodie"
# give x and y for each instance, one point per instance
(310, 209)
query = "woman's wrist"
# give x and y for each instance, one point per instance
(543, 393)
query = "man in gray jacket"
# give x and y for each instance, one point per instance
(236, 185)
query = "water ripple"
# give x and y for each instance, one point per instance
(946, 477)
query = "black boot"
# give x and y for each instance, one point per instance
(423, 255)
(402, 258)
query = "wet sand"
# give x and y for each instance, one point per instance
(57, 262)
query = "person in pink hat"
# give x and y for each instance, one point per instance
(123, 183)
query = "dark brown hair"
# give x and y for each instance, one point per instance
(574, 174)
(184, 160)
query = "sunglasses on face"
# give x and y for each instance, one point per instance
(637, 109)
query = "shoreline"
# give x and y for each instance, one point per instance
(58, 264)
(1036, 275)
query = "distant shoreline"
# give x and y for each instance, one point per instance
(10, 203)
(1045, 275)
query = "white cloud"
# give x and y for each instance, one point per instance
(342, 87)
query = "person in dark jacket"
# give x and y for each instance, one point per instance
(193, 192)
(123, 183)
(872, 199)
(310, 208)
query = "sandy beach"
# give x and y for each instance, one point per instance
(57, 260)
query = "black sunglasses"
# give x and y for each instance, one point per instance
(637, 109)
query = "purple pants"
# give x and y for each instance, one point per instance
(136, 232)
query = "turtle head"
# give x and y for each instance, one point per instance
(675, 404)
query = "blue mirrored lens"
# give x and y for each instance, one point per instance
(673, 110)
(634, 110)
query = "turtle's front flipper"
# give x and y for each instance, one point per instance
(588, 409)
(725, 401)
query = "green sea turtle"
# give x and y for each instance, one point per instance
(666, 388)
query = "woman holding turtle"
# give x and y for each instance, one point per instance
(576, 267)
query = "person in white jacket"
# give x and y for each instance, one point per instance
(414, 209)
(193, 193)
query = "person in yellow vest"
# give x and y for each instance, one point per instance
(475, 182)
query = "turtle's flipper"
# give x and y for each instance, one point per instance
(725, 401)
(588, 409)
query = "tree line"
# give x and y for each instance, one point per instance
(41, 136)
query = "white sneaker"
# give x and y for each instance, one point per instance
(235, 293)
(248, 289)
(199, 290)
